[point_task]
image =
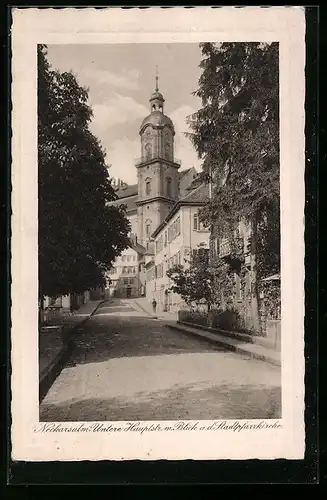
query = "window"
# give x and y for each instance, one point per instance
(148, 188)
(195, 222)
(178, 226)
(159, 244)
(151, 273)
(148, 151)
(148, 230)
(131, 281)
(197, 225)
(159, 271)
(174, 230)
(125, 281)
(123, 258)
(166, 238)
(169, 187)
(129, 258)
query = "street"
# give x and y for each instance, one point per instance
(128, 366)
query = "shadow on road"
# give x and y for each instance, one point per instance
(103, 338)
(187, 402)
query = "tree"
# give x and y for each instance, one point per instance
(80, 235)
(236, 133)
(194, 283)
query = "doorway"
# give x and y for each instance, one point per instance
(128, 292)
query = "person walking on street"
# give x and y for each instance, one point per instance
(154, 306)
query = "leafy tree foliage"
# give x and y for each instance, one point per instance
(236, 134)
(80, 235)
(193, 283)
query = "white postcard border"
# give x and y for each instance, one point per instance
(33, 26)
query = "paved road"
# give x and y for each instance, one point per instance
(127, 366)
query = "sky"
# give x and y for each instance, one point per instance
(120, 79)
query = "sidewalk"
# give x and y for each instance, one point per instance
(143, 304)
(253, 350)
(55, 344)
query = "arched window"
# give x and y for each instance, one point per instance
(148, 151)
(148, 230)
(168, 181)
(148, 187)
(167, 149)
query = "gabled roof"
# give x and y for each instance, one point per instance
(198, 195)
(183, 172)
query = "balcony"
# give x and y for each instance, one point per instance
(143, 160)
(224, 248)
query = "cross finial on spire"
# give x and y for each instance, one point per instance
(157, 78)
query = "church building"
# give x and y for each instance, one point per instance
(163, 210)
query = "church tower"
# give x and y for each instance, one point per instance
(157, 170)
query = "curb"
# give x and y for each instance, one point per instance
(231, 347)
(49, 374)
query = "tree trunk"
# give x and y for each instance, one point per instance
(255, 294)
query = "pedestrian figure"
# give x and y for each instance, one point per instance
(154, 305)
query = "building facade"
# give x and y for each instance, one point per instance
(176, 239)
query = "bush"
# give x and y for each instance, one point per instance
(228, 320)
(195, 317)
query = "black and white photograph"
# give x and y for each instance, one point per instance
(159, 232)
(159, 250)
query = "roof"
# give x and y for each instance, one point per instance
(184, 172)
(197, 195)
(157, 119)
(157, 95)
(132, 190)
(124, 192)
(129, 202)
(138, 248)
